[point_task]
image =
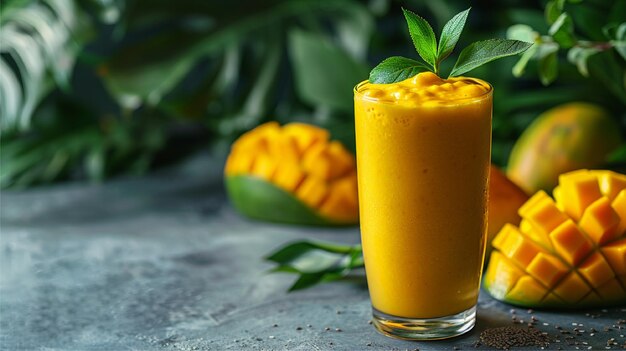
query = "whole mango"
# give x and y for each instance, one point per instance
(568, 137)
(567, 252)
(292, 174)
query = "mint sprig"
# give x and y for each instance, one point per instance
(397, 68)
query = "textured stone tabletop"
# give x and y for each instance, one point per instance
(164, 263)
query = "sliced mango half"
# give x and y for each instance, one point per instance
(569, 252)
(292, 174)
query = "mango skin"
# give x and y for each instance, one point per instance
(568, 137)
(262, 200)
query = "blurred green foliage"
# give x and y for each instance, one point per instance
(124, 86)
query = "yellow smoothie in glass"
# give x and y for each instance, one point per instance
(423, 155)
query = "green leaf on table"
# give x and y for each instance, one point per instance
(554, 8)
(562, 31)
(316, 262)
(481, 52)
(450, 35)
(293, 251)
(579, 56)
(423, 37)
(396, 69)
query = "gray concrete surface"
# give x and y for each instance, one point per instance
(164, 263)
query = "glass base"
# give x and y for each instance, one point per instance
(427, 328)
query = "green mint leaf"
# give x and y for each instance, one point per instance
(562, 31)
(450, 35)
(423, 37)
(396, 69)
(481, 52)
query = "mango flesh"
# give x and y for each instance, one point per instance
(567, 253)
(568, 137)
(505, 198)
(312, 173)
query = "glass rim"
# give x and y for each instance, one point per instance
(465, 100)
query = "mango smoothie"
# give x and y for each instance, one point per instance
(423, 155)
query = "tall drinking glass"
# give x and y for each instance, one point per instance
(423, 154)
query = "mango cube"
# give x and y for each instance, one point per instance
(306, 135)
(596, 270)
(312, 191)
(288, 175)
(519, 249)
(502, 275)
(611, 290)
(579, 190)
(264, 167)
(570, 243)
(572, 288)
(528, 290)
(615, 254)
(600, 221)
(619, 206)
(611, 183)
(546, 268)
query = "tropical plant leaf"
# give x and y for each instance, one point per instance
(548, 63)
(579, 56)
(562, 31)
(37, 38)
(324, 73)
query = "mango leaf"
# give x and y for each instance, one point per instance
(562, 31)
(553, 10)
(324, 73)
(617, 34)
(450, 35)
(548, 63)
(396, 69)
(607, 69)
(579, 56)
(481, 52)
(520, 66)
(423, 37)
(522, 32)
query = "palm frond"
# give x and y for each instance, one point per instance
(39, 47)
